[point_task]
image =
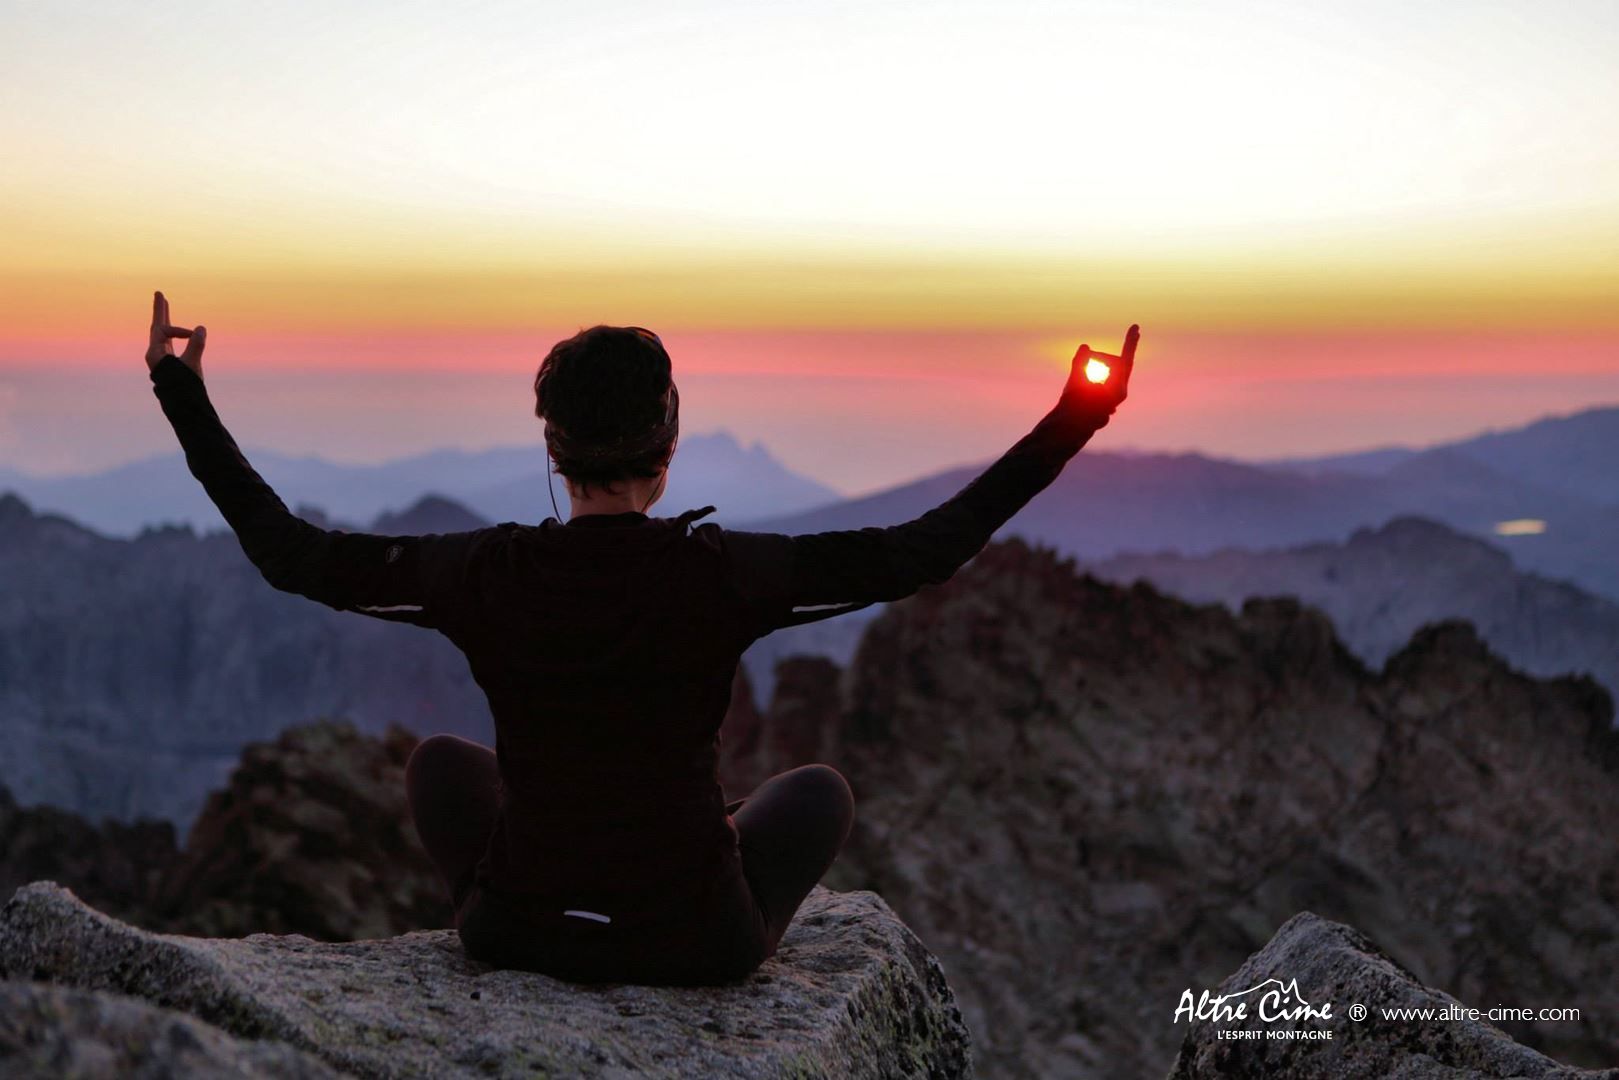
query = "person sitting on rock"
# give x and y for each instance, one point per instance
(593, 841)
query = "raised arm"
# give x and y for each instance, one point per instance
(780, 573)
(417, 579)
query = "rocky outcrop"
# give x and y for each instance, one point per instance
(119, 868)
(1321, 1002)
(800, 726)
(850, 992)
(1086, 798)
(310, 835)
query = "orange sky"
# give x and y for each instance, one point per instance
(854, 409)
(870, 238)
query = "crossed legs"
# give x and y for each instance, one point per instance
(453, 787)
(791, 827)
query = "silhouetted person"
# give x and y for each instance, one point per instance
(593, 843)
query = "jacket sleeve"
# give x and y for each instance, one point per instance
(779, 574)
(416, 579)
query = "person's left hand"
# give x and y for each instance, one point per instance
(159, 346)
(1093, 393)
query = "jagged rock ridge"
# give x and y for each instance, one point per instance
(1087, 798)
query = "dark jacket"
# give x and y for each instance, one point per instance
(607, 646)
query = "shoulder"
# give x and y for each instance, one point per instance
(709, 535)
(740, 542)
(760, 562)
(490, 535)
(479, 544)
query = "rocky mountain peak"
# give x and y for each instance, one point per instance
(1089, 797)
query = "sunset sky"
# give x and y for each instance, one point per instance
(871, 234)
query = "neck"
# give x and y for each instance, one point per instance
(637, 496)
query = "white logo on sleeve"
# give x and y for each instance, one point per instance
(593, 915)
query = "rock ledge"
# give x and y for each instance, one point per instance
(851, 991)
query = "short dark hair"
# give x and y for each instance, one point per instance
(608, 399)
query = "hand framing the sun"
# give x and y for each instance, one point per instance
(160, 344)
(1099, 382)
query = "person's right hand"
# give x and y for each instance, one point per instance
(1099, 382)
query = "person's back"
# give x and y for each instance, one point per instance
(607, 648)
(593, 841)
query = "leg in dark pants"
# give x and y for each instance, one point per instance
(792, 828)
(453, 786)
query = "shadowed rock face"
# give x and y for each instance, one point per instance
(118, 868)
(310, 836)
(133, 672)
(1087, 799)
(850, 992)
(802, 725)
(1335, 970)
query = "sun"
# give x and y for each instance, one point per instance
(1096, 371)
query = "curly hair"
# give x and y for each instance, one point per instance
(610, 406)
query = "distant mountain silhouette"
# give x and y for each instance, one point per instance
(133, 671)
(1107, 504)
(1573, 454)
(429, 514)
(500, 484)
(1383, 585)
(741, 484)
(1379, 587)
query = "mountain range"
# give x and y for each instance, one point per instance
(500, 484)
(133, 670)
(1558, 472)
(1573, 454)
(1106, 504)
(1085, 799)
(1379, 587)
(1383, 585)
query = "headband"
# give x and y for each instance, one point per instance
(623, 448)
